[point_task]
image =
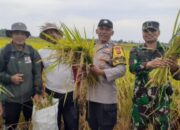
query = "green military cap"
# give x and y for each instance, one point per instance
(150, 25)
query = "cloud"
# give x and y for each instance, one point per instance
(127, 15)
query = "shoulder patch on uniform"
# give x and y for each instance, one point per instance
(118, 55)
(118, 50)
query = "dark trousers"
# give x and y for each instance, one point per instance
(67, 109)
(101, 116)
(12, 113)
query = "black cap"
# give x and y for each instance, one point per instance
(105, 22)
(150, 24)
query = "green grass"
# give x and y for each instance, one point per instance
(35, 42)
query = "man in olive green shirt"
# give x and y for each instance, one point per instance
(20, 74)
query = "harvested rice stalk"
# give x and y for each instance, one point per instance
(74, 51)
(160, 76)
(43, 102)
(3, 90)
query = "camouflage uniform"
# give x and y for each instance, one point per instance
(150, 105)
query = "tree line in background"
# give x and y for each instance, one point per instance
(3, 34)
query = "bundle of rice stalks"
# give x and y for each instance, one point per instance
(43, 102)
(124, 97)
(175, 106)
(160, 76)
(76, 52)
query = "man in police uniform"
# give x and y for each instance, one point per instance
(150, 104)
(102, 108)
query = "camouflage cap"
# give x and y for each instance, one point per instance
(150, 24)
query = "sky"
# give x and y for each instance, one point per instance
(126, 15)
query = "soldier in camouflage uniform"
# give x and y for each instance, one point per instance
(150, 105)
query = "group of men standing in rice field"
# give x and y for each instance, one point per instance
(21, 74)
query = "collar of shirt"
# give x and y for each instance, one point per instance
(100, 46)
(25, 49)
(160, 47)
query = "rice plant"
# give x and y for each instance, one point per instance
(160, 76)
(124, 97)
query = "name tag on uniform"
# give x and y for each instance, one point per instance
(27, 59)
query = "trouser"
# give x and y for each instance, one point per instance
(67, 109)
(12, 113)
(101, 116)
(152, 109)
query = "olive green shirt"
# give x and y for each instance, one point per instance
(21, 62)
